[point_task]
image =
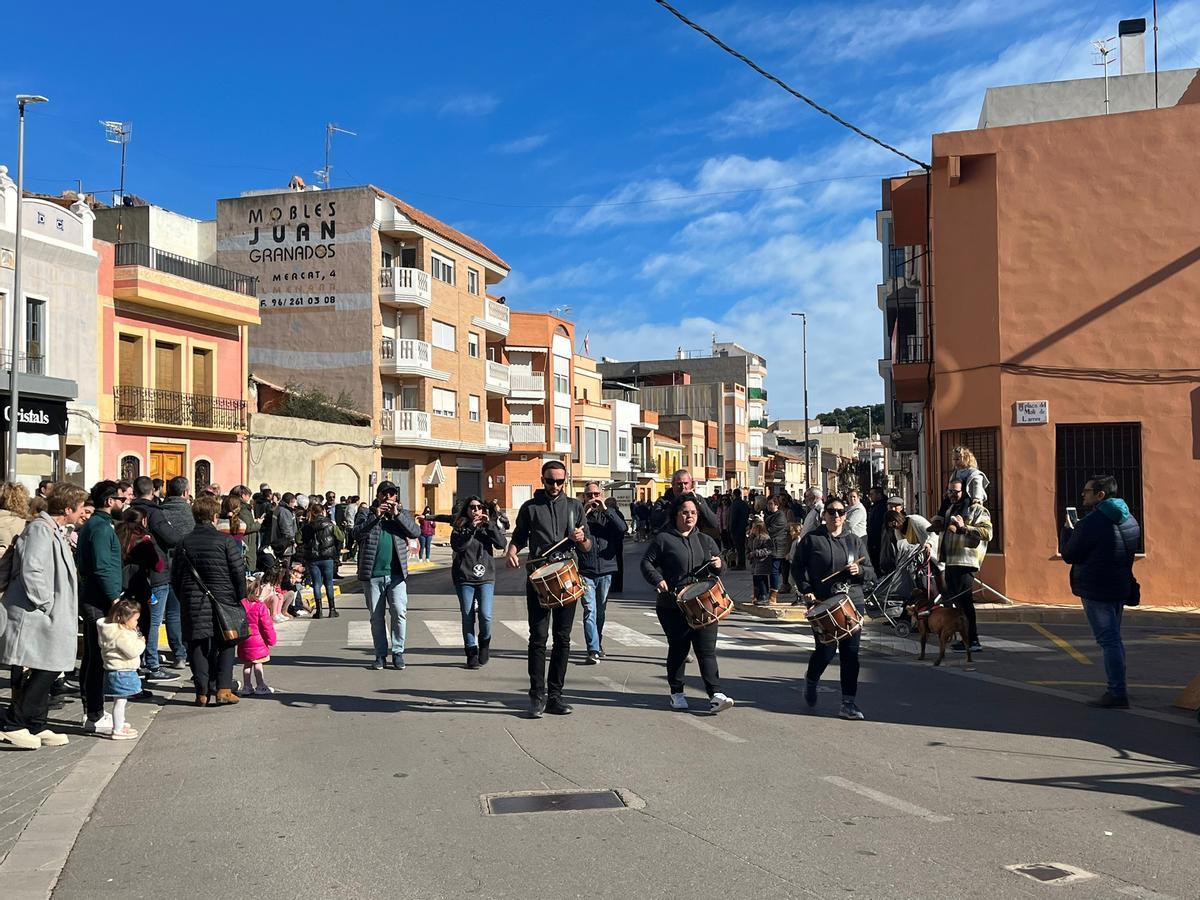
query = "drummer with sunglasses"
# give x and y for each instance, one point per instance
(678, 556)
(550, 518)
(832, 550)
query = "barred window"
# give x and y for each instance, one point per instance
(131, 468)
(203, 475)
(1085, 451)
(985, 444)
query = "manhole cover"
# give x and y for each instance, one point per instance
(551, 801)
(1047, 873)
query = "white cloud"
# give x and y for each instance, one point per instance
(525, 144)
(469, 104)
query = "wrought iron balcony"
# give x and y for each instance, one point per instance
(152, 258)
(150, 406)
(27, 363)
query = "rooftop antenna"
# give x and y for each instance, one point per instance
(330, 128)
(1103, 51)
(561, 311)
(1156, 54)
(119, 133)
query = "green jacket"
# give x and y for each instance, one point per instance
(98, 560)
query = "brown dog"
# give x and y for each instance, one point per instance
(944, 621)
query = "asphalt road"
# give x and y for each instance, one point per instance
(356, 783)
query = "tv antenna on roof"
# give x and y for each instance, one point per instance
(119, 133)
(1103, 51)
(330, 128)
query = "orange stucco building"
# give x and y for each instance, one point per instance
(1054, 332)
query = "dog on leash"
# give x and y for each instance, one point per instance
(944, 621)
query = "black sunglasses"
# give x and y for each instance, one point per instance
(558, 481)
(474, 506)
(839, 511)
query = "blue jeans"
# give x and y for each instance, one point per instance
(320, 572)
(173, 617)
(776, 572)
(158, 608)
(1105, 618)
(595, 598)
(762, 586)
(476, 599)
(426, 550)
(384, 594)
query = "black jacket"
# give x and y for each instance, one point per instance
(608, 530)
(1101, 551)
(739, 518)
(820, 554)
(319, 540)
(661, 518)
(876, 522)
(217, 559)
(781, 536)
(165, 534)
(473, 547)
(542, 523)
(178, 514)
(677, 560)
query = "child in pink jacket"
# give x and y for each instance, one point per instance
(256, 649)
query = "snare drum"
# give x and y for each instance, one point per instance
(704, 602)
(834, 620)
(557, 583)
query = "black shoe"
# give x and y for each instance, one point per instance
(1109, 701)
(160, 676)
(398, 662)
(591, 659)
(959, 647)
(537, 706)
(378, 664)
(178, 662)
(60, 688)
(143, 694)
(810, 693)
(333, 613)
(317, 614)
(556, 707)
(472, 657)
(484, 650)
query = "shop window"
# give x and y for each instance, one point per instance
(985, 444)
(1082, 452)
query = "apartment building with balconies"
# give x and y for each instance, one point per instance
(593, 434)
(174, 377)
(701, 450)
(365, 294)
(540, 357)
(58, 434)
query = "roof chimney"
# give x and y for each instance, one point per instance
(1133, 46)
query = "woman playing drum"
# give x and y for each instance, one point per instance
(677, 557)
(831, 561)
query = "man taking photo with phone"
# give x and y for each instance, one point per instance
(382, 537)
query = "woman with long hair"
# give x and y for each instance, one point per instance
(476, 536)
(322, 542)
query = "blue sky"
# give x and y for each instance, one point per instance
(621, 163)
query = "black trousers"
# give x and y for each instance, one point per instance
(617, 585)
(211, 659)
(682, 637)
(542, 623)
(31, 704)
(960, 590)
(91, 666)
(822, 656)
(739, 541)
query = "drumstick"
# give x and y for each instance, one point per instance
(550, 549)
(842, 569)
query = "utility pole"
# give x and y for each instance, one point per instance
(804, 344)
(325, 173)
(14, 395)
(1104, 50)
(119, 133)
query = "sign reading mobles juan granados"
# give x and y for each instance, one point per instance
(38, 416)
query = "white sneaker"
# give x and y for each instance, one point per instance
(278, 617)
(52, 738)
(264, 689)
(719, 703)
(102, 725)
(679, 701)
(21, 738)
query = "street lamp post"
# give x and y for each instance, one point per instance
(14, 405)
(804, 344)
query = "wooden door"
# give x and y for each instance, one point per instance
(168, 383)
(165, 462)
(202, 388)
(129, 378)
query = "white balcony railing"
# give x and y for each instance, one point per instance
(405, 424)
(528, 434)
(526, 382)
(498, 436)
(497, 378)
(495, 316)
(406, 355)
(401, 285)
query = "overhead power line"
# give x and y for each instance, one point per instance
(787, 87)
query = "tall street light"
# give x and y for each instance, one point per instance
(807, 456)
(14, 398)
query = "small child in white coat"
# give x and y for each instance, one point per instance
(121, 646)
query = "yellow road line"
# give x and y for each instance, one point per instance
(1061, 643)
(1162, 687)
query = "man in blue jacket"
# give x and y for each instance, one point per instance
(1100, 550)
(597, 566)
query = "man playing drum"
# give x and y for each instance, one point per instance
(829, 562)
(552, 522)
(678, 556)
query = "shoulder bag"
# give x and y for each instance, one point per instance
(1135, 588)
(232, 623)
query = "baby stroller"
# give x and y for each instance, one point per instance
(894, 591)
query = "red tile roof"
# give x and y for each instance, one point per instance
(442, 229)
